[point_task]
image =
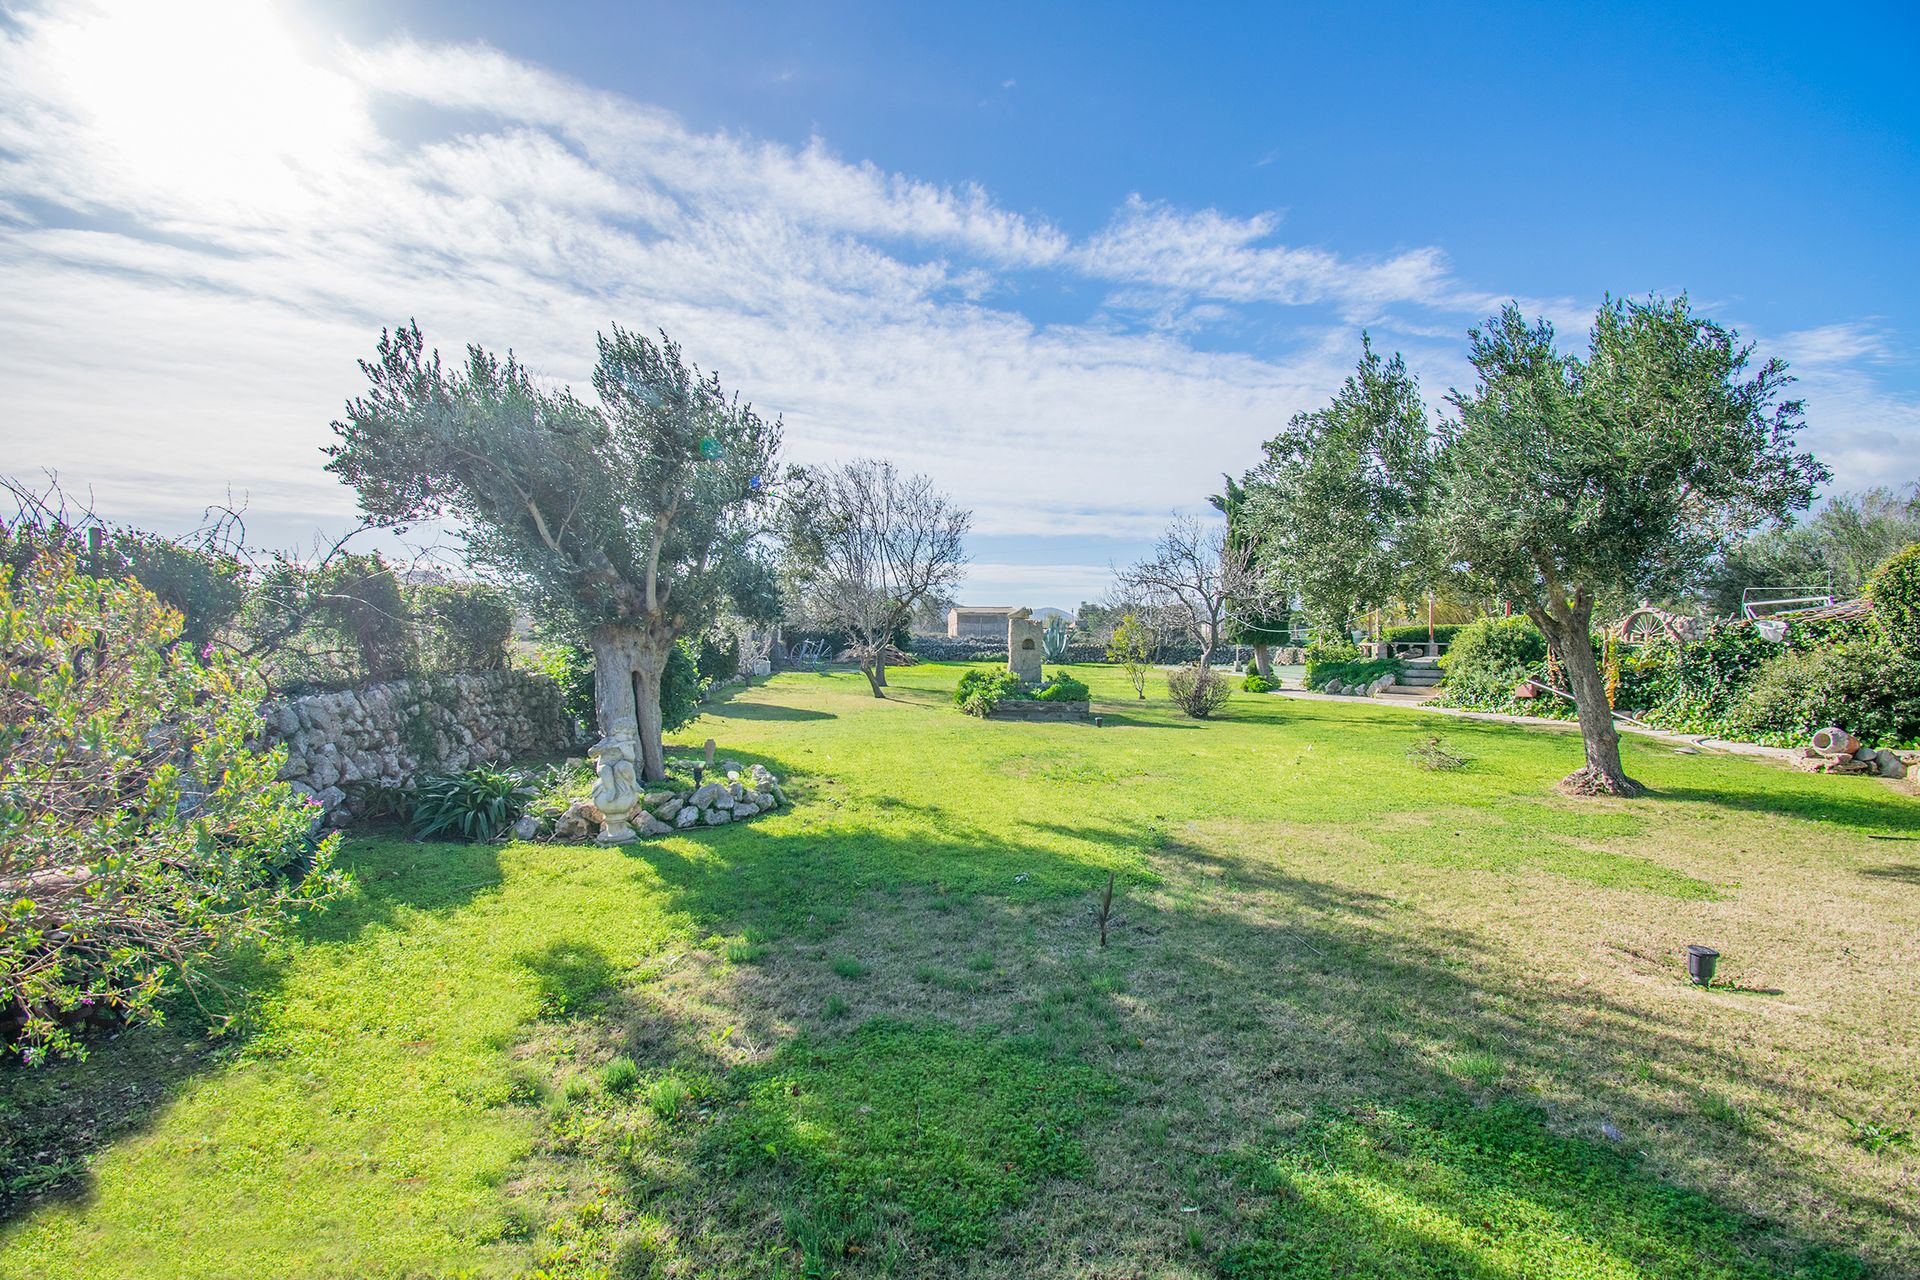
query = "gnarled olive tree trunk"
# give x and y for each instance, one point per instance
(1263, 661)
(627, 666)
(1567, 628)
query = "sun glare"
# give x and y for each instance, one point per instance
(213, 100)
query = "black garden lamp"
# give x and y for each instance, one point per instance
(1700, 963)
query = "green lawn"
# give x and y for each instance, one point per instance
(1356, 1018)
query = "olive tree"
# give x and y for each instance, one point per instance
(1268, 622)
(1622, 475)
(1341, 497)
(867, 547)
(629, 518)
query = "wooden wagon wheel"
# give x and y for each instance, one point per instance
(1647, 624)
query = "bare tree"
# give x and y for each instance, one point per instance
(870, 545)
(1195, 570)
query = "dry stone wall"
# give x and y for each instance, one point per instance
(343, 746)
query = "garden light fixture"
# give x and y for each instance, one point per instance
(1700, 963)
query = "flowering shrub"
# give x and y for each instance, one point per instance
(139, 831)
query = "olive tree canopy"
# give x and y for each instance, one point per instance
(1341, 498)
(1623, 475)
(629, 518)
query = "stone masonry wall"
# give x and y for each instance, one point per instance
(342, 745)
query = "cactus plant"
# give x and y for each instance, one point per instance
(1053, 641)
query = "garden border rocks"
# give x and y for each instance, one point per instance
(1036, 709)
(744, 794)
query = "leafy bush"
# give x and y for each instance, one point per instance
(1198, 691)
(1894, 589)
(1866, 686)
(1690, 686)
(203, 581)
(571, 667)
(1352, 675)
(979, 692)
(1323, 652)
(1257, 683)
(139, 831)
(1488, 657)
(475, 805)
(716, 659)
(463, 627)
(1062, 688)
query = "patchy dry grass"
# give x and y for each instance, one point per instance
(1356, 1018)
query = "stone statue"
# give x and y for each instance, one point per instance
(1024, 637)
(617, 792)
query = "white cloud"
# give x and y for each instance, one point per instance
(188, 316)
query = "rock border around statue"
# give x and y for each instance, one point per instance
(619, 815)
(1034, 709)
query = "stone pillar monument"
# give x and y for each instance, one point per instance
(1023, 645)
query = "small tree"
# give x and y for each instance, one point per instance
(869, 545)
(1625, 474)
(630, 519)
(1262, 627)
(140, 833)
(1131, 645)
(1341, 497)
(1194, 570)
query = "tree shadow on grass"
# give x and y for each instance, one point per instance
(1866, 806)
(1337, 1067)
(54, 1118)
(1905, 872)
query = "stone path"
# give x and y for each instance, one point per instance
(1417, 701)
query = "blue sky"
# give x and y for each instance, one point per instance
(1074, 261)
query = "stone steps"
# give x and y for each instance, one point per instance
(1420, 675)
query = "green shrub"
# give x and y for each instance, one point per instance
(980, 691)
(1322, 652)
(716, 659)
(1691, 685)
(1865, 686)
(571, 667)
(1894, 589)
(1488, 657)
(141, 832)
(462, 626)
(1198, 692)
(205, 582)
(1062, 688)
(475, 805)
(1257, 683)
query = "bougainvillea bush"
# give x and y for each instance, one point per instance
(140, 832)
